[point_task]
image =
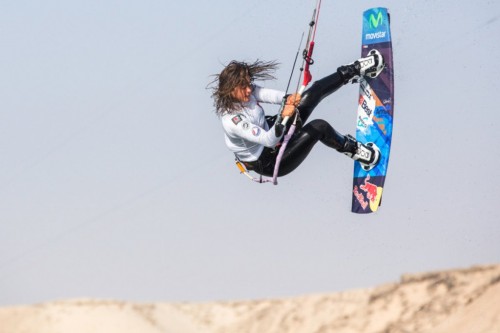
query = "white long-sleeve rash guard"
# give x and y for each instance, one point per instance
(246, 131)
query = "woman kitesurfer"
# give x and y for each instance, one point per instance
(255, 138)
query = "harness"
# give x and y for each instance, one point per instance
(245, 167)
(241, 166)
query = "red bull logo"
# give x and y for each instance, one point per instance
(370, 189)
(360, 197)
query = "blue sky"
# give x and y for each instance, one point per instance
(115, 181)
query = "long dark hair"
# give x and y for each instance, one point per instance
(237, 74)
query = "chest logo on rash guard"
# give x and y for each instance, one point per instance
(256, 131)
(237, 119)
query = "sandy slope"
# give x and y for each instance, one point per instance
(460, 301)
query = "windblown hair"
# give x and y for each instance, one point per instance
(237, 74)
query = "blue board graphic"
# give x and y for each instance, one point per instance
(375, 112)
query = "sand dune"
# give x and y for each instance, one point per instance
(456, 301)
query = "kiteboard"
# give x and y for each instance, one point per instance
(375, 112)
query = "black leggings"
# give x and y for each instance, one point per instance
(305, 138)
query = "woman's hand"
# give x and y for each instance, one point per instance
(288, 111)
(293, 99)
(291, 103)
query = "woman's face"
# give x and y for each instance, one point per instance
(242, 93)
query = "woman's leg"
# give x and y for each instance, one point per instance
(323, 88)
(301, 145)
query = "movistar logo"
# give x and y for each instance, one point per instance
(376, 21)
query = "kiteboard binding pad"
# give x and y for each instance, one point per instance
(375, 112)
